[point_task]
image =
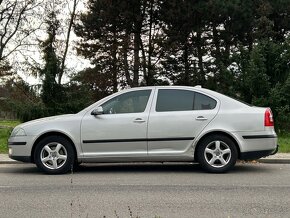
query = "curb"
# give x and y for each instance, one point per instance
(11, 162)
(4, 159)
(274, 161)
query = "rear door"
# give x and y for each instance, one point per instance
(178, 116)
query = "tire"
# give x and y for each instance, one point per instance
(54, 155)
(217, 154)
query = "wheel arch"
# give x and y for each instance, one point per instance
(52, 133)
(216, 132)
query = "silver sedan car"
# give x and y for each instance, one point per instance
(158, 124)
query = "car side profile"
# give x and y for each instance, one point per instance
(158, 124)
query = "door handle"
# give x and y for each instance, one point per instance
(139, 120)
(201, 118)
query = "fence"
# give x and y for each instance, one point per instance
(8, 115)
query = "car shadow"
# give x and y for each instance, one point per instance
(166, 167)
(139, 168)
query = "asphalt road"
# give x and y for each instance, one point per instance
(146, 190)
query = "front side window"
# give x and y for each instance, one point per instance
(130, 102)
(183, 100)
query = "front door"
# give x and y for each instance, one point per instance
(121, 130)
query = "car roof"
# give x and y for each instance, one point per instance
(227, 101)
(167, 87)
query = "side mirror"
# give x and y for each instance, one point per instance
(97, 111)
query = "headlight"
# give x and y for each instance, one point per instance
(18, 132)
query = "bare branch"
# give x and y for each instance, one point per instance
(2, 41)
(14, 24)
(20, 44)
(17, 25)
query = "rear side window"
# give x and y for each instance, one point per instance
(182, 100)
(174, 100)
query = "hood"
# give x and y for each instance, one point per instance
(45, 119)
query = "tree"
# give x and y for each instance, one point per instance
(262, 77)
(120, 38)
(184, 45)
(52, 92)
(99, 29)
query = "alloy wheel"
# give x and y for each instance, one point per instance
(217, 154)
(53, 155)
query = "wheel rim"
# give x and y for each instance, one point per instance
(53, 155)
(217, 154)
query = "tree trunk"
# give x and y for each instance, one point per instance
(136, 59)
(125, 58)
(201, 76)
(115, 60)
(186, 65)
(62, 66)
(144, 62)
(150, 75)
(138, 18)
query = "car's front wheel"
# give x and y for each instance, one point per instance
(217, 154)
(54, 155)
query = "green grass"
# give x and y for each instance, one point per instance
(284, 142)
(5, 129)
(10, 123)
(4, 134)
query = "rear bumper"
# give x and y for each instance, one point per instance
(253, 155)
(254, 145)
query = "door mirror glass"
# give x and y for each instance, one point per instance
(97, 111)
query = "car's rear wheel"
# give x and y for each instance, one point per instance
(54, 155)
(217, 154)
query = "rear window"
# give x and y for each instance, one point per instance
(183, 100)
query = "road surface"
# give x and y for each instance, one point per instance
(146, 190)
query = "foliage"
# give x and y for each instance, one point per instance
(238, 47)
(9, 123)
(4, 135)
(5, 130)
(284, 142)
(263, 78)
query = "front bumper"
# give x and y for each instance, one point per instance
(20, 148)
(26, 159)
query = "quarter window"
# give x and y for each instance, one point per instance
(203, 102)
(182, 100)
(130, 102)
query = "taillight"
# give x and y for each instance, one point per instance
(269, 120)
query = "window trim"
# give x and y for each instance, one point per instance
(183, 89)
(147, 107)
